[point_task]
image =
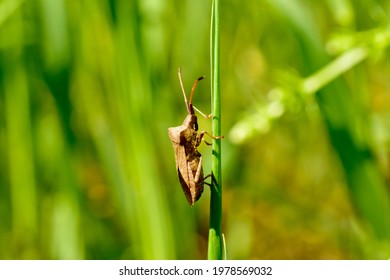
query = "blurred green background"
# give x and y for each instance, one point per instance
(88, 89)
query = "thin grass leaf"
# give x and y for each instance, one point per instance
(215, 246)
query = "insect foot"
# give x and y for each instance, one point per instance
(185, 141)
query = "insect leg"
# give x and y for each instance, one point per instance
(212, 179)
(200, 137)
(208, 184)
(211, 136)
(203, 114)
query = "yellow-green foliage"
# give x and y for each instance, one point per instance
(87, 92)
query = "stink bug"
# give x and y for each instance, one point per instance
(185, 140)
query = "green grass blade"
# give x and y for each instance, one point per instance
(215, 248)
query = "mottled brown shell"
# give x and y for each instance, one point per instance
(189, 168)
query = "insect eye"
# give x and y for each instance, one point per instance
(196, 126)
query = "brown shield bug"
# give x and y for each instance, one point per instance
(185, 140)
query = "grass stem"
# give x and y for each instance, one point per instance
(215, 246)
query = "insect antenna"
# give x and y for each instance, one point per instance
(188, 104)
(192, 94)
(182, 89)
